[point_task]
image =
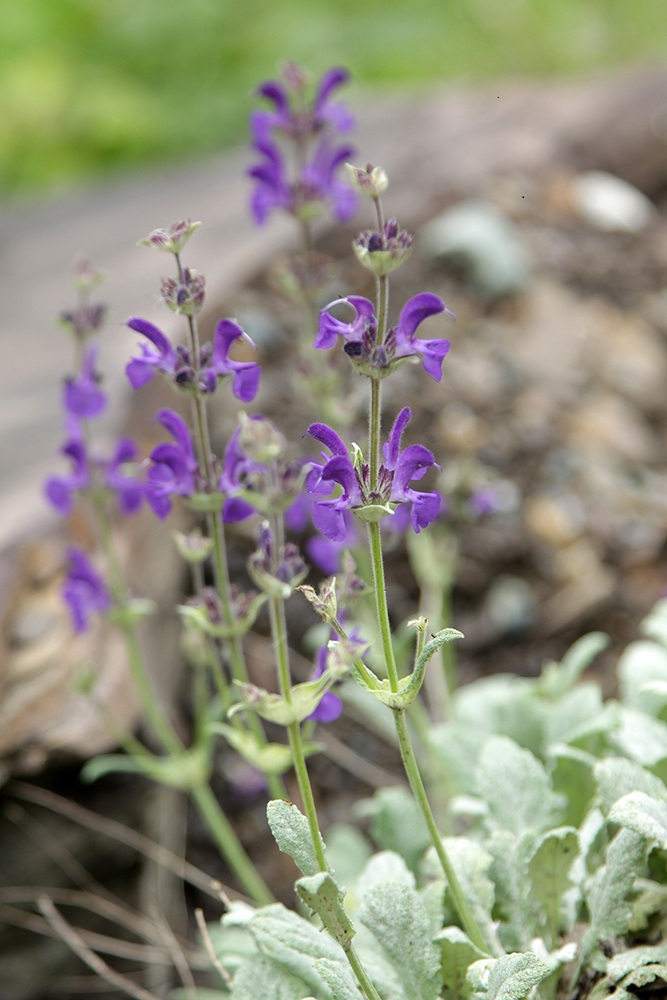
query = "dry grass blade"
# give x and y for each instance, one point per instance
(210, 950)
(74, 940)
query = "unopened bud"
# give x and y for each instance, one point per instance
(185, 295)
(194, 547)
(369, 180)
(173, 238)
(382, 252)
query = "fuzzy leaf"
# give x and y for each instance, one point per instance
(549, 872)
(325, 898)
(625, 962)
(291, 832)
(471, 863)
(643, 814)
(609, 910)
(409, 686)
(616, 777)
(557, 678)
(339, 978)
(512, 977)
(295, 944)
(572, 778)
(268, 979)
(458, 953)
(515, 786)
(395, 913)
(641, 663)
(640, 737)
(397, 823)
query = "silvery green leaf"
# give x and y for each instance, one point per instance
(617, 776)
(348, 852)
(607, 893)
(294, 943)
(642, 813)
(503, 704)
(641, 663)
(572, 778)
(386, 866)
(654, 625)
(625, 962)
(648, 899)
(640, 737)
(268, 979)
(339, 978)
(509, 872)
(512, 977)
(397, 823)
(291, 832)
(576, 716)
(471, 863)
(396, 915)
(457, 745)
(458, 953)
(516, 786)
(325, 898)
(549, 873)
(557, 678)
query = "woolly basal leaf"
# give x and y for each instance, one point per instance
(643, 814)
(640, 737)
(268, 979)
(617, 776)
(549, 873)
(291, 832)
(515, 786)
(512, 977)
(642, 663)
(397, 823)
(295, 944)
(339, 978)
(458, 953)
(607, 893)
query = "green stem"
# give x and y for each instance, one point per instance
(279, 634)
(363, 979)
(379, 585)
(230, 846)
(464, 909)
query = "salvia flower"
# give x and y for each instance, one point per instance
(173, 470)
(202, 374)
(309, 124)
(255, 477)
(84, 590)
(393, 488)
(116, 475)
(82, 396)
(173, 238)
(360, 336)
(330, 705)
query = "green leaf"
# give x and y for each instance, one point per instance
(198, 619)
(471, 864)
(607, 894)
(189, 769)
(396, 915)
(515, 786)
(458, 953)
(291, 832)
(642, 663)
(644, 814)
(640, 737)
(274, 708)
(397, 823)
(295, 944)
(557, 678)
(572, 779)
(325, 898)
(654, 625)
(512, 977)
(267, 978)
(627, 961)
(206, 503)
(269, 758)
(339, 978)
(348, 851)
(409, 686)
(549, 873)
(616, 777)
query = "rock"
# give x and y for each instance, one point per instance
(611, 204)
(489, 247)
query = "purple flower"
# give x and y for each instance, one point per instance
(87, 471)
(160, 355)
(82, 395)
(245, 374)
(360, 335)
(330, 705)
(84, 590)
(307, 124)
(205, 372)
(174, 466)
(399, 469)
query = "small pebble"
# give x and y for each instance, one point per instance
(611, 204)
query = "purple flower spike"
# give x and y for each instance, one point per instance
(128, 489)
(174, 468)
(60, 490)
(245, 374)
(400, 468)
(84, 590)
(414, 312)
(83, 397)
(336, 114)
(160, 355)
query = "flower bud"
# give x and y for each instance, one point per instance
(185, 295)
(260, 440)
(382, 252)
(194, 547)
(369, 180)
(173, 238)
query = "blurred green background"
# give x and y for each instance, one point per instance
(88, 86)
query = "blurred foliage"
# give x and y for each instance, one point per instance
(94, 85)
